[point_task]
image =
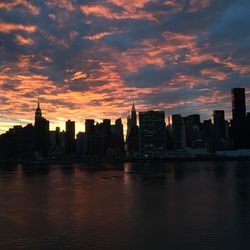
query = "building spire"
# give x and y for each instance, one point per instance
(133, 116)
(38, 113)
(133, 107)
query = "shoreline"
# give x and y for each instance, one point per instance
(66, 161)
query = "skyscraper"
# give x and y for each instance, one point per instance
(218, 130)
(193, 131)
(89, 126)
(132, 139)
(248, 129)
(176, 138)
(152, 132)
(238, 104)
(239, 118)
(38, 113)
(90, 136)
(116, 147)
(41, 133)
(133, 116)
(70, 137)
(218, 121)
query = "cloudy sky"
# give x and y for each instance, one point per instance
(91, 59)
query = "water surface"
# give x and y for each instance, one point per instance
(182, 205)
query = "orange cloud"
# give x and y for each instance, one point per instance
(130, 5)
(21, 40)
(79, 75)
(8, 27)
(189, 81)
(63, 4)
(97, 36)
(98, 10)
(214, 74)
(53, 39)
(101, 11)
(153, 52)
(15, 3)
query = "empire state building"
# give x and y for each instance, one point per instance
(38, 113)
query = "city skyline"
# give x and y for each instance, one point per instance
(79, 126)
(148, 136)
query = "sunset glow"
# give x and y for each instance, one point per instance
(91, 59)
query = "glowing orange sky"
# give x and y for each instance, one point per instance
(92, 59)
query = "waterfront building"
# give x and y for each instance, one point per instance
(239, 130)
(70, 137)
(152, 132)
(193, 131)
(176, 134)
(41, 133)
(132, 138)
(218, 130)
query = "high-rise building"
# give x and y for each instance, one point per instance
(238, 104)
(70, 137)
(81, 144)
(90, 136)
(58, 142)
(239, 130)
(106, 125)
(41, 133)
(54, 140)
(89, 126)
(152, 132)
(28, 141)
(248, 129)
(133, 121)
(218, 121)
(218, 139)
(193, 131)
(38, 113)
(132, 138)
(116, 147)
(176, 138)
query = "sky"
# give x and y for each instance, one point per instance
(91, 59)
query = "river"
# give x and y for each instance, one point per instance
(130, 206)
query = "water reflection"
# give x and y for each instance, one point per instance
(160, 205)
(33, 170)
(220, 170)
(68, 169)
(179, 171)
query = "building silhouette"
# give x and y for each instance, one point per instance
(239, 130)
(193, 131)
(82, 144)
(102, 139)
(218, 130)
(41, 133)
(133, 119)
(132, 138)
(248, 129)
(38, 113)
(117, 144)
(176, 132)
(70, 137)
(90, 136)
(152, 132)
(181, 136)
